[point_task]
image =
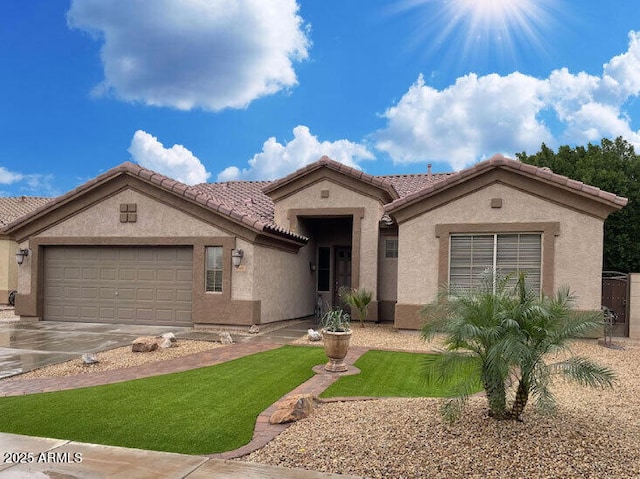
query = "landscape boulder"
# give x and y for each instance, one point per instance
(293, 408)
(144, 344)
(165, 343)
(254, 329)
(314, 335)
(89, 359)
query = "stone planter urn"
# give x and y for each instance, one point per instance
(336, 345)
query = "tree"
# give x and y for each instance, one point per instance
(503, 335)
(612, 166)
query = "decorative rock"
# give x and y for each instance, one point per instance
(225, 338)
(170, 336)
(90, 358)
(165, 342)
(293, 408)
(144, 344)
(314, 335)
(254, 329)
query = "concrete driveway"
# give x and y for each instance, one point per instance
(28, 346)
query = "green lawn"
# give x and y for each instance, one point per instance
(389, 374)
(202, 411)
(207, 410)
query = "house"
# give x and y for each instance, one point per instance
(134, 246)
(12, 208)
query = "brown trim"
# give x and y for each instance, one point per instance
(61, 212)
(407, 316)
(341, 179)
(357, 214)
(549, 232)
(535, 186)
(216, 308)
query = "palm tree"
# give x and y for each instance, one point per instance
(546, 325)
(473, 323)
(358, 299)
(505, 333)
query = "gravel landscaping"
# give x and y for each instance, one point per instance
(595, 433)
(117, 359)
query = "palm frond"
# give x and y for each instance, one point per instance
(585, 372)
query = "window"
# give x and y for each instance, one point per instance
(471, 255)
(214, 269)
(324, 268)
(391, 248)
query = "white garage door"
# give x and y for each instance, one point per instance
(133, 285)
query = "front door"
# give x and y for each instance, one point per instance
(342, 273)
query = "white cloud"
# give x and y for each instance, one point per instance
(277, 160)
(187, 54)
(9, 177)
(479, 116)
(33, 184)
(176, 162)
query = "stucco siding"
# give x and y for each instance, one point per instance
(153, 219)
(283, 284)
(8, 269)
(339, 196)
(578, 247)
(634, 305)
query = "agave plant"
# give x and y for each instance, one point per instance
(336, 321)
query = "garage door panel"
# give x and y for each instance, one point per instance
(127, 274)
(89, 293)
(108, 273)
(113, 284)
(183, 296)
(146, 275)
(72, 273)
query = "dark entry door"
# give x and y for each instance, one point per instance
(615, 287)
(342, 272)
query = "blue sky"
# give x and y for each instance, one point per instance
(212, 90)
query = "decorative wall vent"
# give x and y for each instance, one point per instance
(128, 212)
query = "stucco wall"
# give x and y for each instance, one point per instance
(341, 197)
(634, 305)
(578, 247)
(153, 219)
(8, 269)
(290, 276)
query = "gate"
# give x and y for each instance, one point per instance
(615, 293)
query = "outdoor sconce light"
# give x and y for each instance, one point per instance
(21, 254)
(236, 257)
(312, 266)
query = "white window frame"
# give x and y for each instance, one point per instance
(214, 265)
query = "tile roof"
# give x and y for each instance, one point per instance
(245, 197)
(247, 202)
(407, 184)
(499, 161)
(13, 207)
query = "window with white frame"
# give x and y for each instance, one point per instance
(214, 269)
(472, 254)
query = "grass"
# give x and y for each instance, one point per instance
(202, 411)
(389, 374)
(206, 410)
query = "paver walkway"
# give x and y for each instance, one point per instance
(263, 432)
